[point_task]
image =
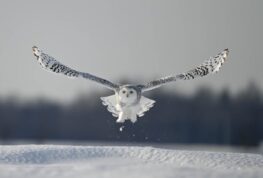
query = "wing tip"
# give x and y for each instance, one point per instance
(36, 51)
(226, 52)
(224, 55)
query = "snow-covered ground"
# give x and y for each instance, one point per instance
(60, 161)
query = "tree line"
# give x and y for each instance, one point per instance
(204, 118)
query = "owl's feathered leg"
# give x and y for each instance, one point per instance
(122, 117)
(133, 117)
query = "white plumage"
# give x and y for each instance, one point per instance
(128, 103)
(130, 112)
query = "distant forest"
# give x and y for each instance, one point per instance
(205, 117)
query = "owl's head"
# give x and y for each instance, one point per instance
(128, 95)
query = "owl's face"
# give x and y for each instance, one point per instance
(127, 95)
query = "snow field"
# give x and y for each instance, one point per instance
(59, 161)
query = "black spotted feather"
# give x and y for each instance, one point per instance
(52, 65)
(210, 66)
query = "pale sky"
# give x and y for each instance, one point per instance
(139, 40)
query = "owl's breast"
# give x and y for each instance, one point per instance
(127, 105)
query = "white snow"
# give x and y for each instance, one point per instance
(121, 128)
(59, 161)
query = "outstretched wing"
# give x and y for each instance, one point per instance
(50, 64)
(210, 66)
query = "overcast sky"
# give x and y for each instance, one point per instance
(138, 40)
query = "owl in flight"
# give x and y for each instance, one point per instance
(128, 103)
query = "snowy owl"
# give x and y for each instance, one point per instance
(128, 103)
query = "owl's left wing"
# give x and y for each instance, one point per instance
(210, 66)
(52, 65)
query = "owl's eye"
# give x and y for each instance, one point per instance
(131, 92)
(123, 91)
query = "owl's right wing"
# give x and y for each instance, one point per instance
(52, 65)
(210, 66)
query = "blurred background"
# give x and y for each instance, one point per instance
(132, 42)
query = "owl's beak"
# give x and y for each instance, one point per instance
(127, 95)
